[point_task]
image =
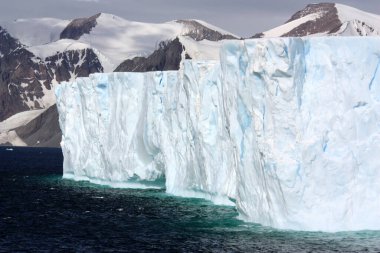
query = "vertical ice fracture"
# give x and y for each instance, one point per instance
(286, 129)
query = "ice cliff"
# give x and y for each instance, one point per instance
(286, 129)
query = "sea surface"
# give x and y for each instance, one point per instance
(41, 212)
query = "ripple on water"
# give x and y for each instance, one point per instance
(39, 211)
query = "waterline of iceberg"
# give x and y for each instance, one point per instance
(288, 128)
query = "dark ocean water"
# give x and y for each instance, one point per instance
(40, 212)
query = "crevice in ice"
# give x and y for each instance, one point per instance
(324, 146)
(244, 116)
(360, 104)
(374, 75)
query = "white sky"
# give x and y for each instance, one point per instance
(242, 17)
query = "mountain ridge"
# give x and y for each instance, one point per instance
(326, 19)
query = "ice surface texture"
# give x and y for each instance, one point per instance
(286, 129)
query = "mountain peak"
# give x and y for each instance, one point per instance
(77, 27)
(200, 30)
(324, 19)
(314, 8)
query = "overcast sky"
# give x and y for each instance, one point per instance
(242, 17)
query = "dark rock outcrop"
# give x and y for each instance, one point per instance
(7, 42)
(26, 79)
(20, 81)
(21, 88)
(328, 21)
(23, 76)
(257, 35)
(43, 131)
(65, 64)
(166, 57)
(198, 32)
(11, 57)
(76, 28)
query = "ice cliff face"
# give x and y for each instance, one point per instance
(287, 129)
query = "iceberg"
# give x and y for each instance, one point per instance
(285, 129)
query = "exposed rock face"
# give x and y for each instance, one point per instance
(257, 35)
(325, 19)
(76, 28)
(26, 80)
(43, 131)
(198, 32)
(20, 88)
(79, 63)
(8, 60)
(7, 42)
(313, 8)
(328, 22)
(166, 57)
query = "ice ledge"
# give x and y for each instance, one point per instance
(288, 128)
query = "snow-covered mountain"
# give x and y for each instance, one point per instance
(37, 54)
(113, 38)
(27, 80)
(326, 19)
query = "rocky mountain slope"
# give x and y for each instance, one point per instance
(27, 80)
(37, 54)
(167, 57)
(325, 19)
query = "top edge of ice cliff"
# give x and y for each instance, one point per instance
(287, 128)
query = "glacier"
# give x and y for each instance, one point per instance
(285, 129)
